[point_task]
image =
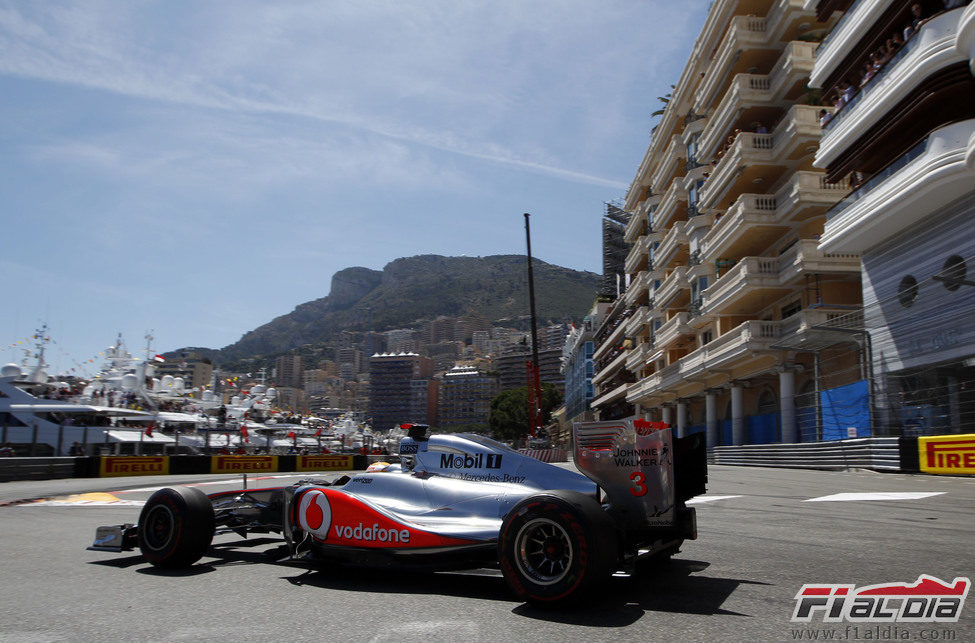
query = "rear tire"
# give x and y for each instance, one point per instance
(176, 527)
(555, 547)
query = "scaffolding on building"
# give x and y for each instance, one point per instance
(615, 249)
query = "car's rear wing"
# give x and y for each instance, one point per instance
(646, 473)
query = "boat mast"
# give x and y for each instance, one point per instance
(41, 338)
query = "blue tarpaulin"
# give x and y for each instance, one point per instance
(724, 430)
(763, 429)
(845, 408)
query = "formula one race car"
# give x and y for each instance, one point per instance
(460, 501)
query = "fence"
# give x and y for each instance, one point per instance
(881, 454)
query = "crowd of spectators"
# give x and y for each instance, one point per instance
(848, 88)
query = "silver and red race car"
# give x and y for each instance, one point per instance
(456, 502)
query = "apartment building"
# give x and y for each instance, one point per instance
(718, 329)
(393, 396)
(465, 397)
(577, 365)
(902, 75)
(287, 371)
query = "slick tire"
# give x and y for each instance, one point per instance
(556, 547)
(176, 527)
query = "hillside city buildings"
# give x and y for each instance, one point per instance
(444, 373)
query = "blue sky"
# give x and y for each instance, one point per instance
(199, 168)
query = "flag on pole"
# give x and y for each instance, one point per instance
(159, 358)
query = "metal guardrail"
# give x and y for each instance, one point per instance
(882, 454)
(37, 468)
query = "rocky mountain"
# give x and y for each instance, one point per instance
(410, 290)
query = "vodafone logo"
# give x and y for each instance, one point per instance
(315, 514)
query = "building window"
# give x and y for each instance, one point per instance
(907, 291)
(791, 309)
(767, 403)
(953, 272)
(706, 338)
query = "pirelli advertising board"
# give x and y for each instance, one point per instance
(243, 463)
(324, 462)
(954, 454)
(142, 465)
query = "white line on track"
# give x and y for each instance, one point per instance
(702, 499)
(877, 495)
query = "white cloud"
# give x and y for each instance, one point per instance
(448, 76)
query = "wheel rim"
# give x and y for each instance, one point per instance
(543, 551)
(159, 527)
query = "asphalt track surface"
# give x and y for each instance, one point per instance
(763, 533)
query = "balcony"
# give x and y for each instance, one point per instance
(788, 19)
(926, 178)
(754, 281)
(761, 159)
(637, 290)
(636, 226)
(673, 205)
(805, 257)
(749, 224)
(673, 287)
(638, 356)
(732, 349)
(697, 221)
(751, 341)
(636, 259)
(932, 49)
(673, 248)
(739, 50)
(747, 92)
(669, 163)
(857, 19)
(749, 155)
(634, 326)
(616, 362)
(606, 397)
(651, 384)
(793, 328)
(613, 340)
(755, 221)
(672, 330)
(806, 195)
(745, 288)
(758, 97)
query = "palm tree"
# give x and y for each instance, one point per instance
(666, 101)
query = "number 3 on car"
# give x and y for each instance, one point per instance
(638, 488)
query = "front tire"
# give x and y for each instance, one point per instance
(176, 527)
(556, 546)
